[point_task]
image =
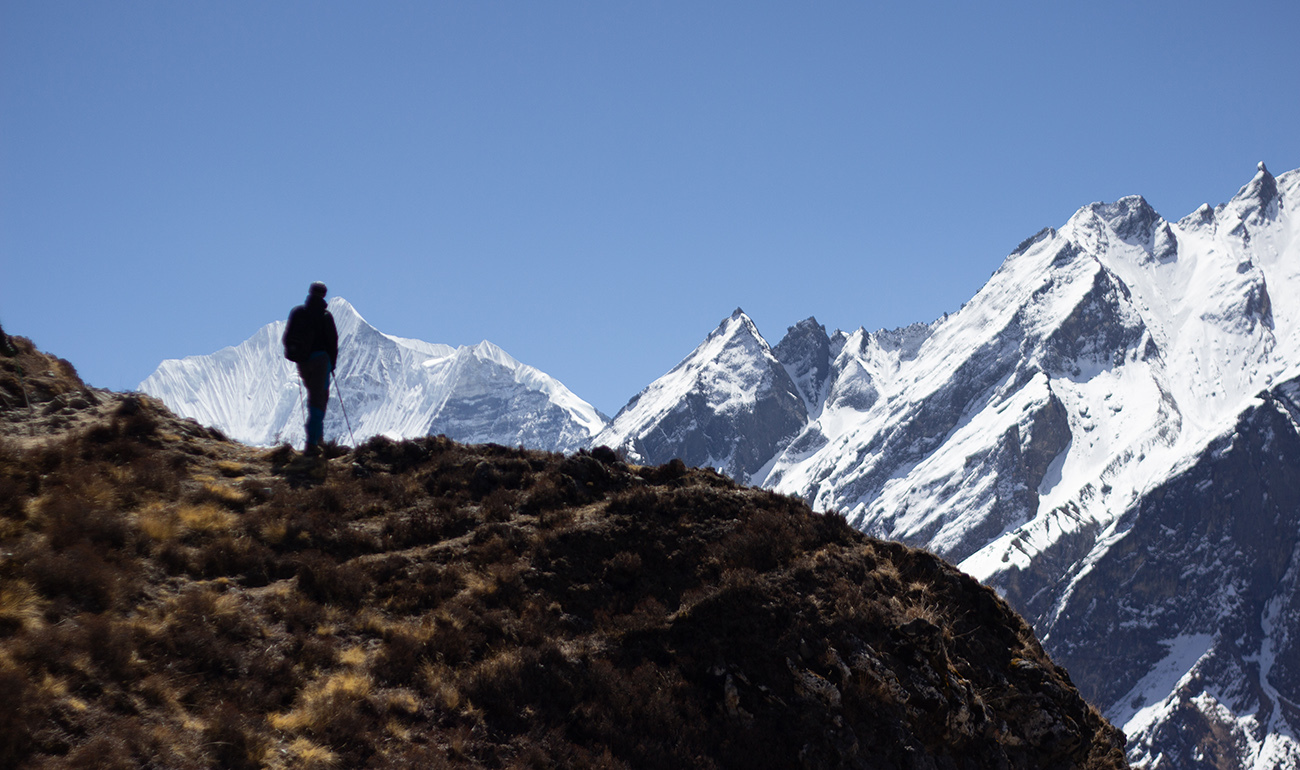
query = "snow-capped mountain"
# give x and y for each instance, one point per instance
(1108, 432)
(728, 405)
(392, 386)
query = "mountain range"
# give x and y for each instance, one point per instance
(1108, 433)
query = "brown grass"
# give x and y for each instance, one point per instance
(168, 597)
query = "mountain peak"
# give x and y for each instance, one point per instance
(392, 386)
(1256, 202)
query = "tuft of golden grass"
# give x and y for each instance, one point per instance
(402, 701)
(352, 656)
(224, 495)
(322, 700)
(231, 469)
(274, 532)
(205, 517)
(158, 522)
(311, 756)
(20, 606)
(438, 680)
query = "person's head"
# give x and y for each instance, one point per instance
(317, 289)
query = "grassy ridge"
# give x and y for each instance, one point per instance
(172, 599)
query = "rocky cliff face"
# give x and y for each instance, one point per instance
(1187, 623)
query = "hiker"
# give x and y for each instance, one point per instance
(311, 340)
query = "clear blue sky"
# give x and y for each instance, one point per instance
(592, 186)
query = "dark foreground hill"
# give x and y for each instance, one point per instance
(172, 599)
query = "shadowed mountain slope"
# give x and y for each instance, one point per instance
(170, 598)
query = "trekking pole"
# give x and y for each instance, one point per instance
(302, 404)
(339, 392)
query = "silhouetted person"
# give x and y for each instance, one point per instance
(311, 340)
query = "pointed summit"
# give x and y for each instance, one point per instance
(1131, 217)
(729, 405)
(1257, 202)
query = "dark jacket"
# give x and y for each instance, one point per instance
(311, 329)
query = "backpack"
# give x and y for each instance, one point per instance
(298, 338)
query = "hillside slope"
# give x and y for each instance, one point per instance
(171, 598)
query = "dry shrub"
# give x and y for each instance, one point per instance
(105, 751)
(242, 557)
(20, 715)
(426, 587)
(399, 456)
(765, 539)
(399, 659)
(232, 741)
(649, 697)
(455, 640)
(439, 682)
(78, 575)
(158, 472)
(111, 645)
(397, 491)
(136, 418)
(550, 492)
(298, 613)
(500, 505)
(637, 502)
(426, 525)
(13, 498)
(623, 570)
(329, 582)
(332, 499)
(833, 528)
(203, 631)
(495, 543)
(83, 513)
